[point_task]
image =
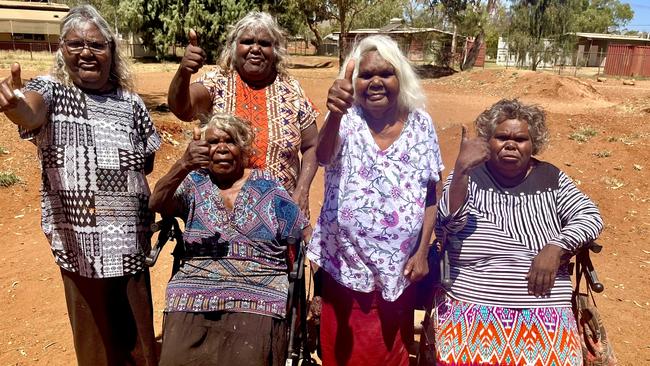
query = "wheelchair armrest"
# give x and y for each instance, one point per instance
(587, 267)
(167, 229)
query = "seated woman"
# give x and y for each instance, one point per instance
(226, 303)
(511, 222)
(382, 162)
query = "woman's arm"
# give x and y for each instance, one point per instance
(197, 155)
(418, 265)
(187, 101)
(308, 168)
(28, 111)
(581, 223)
(473, 152)
(339, 99)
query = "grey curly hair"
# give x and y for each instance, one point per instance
(120, 73)
(506, 109)
(255, 21)
(239, 129)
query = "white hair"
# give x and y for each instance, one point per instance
(411, 96)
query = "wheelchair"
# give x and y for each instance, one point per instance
(439, 277)
(298, 351)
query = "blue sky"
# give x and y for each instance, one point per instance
(641, 20)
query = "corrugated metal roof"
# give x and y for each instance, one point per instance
(396, 31)
(30, 21)
(611, 36)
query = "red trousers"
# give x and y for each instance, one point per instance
(364, 329)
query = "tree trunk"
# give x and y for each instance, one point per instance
(454, 40)
(317, 42)
(473, 52)
(343, 36)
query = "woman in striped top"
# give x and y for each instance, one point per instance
(511, 222)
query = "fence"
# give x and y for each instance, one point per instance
(618, 60)
(29, 46)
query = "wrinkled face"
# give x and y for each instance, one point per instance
(254, 55)
(226, 155)
(376, 86)
(89, 66)
(510, 148)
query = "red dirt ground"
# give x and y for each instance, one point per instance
(612, 167)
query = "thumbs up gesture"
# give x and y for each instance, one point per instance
(341, 95)
(197, 154)
(194, 55)
(10, 87)
(473, 152)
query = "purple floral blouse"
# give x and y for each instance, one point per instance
(374, 204)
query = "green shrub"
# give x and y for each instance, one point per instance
(8, 179)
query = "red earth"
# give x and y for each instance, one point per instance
(612, 167)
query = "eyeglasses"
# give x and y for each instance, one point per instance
(76, 46)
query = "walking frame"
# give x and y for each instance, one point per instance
(298, 352)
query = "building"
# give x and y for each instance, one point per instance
(593, 47)
(617, 54)
(30, 26)
(418, 44)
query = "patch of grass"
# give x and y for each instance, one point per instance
(603, 154)
(583, 134)
(3, 150)
(8, 179)
(612, 182)
(612, 139)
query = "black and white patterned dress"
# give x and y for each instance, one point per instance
(498, 231)
(95, 194)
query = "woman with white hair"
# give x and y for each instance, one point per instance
(382, 163)
(252, 82)
(96, 142)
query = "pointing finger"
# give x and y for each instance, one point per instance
(196, 134)
(349, 70)
(16, 81)
(194, 39)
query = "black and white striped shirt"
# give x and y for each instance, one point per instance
(494, 236)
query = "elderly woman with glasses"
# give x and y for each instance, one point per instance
(96, 143)
(226, 303)
(252, 82)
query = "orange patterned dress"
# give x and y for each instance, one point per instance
(278, 113)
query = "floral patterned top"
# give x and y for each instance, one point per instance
(374, 204)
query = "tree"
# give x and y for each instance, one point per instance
(167, 22)
(344, 12)
(315, 12)
(599, 16)
(482, 14)
(380, 14)
(539, 28)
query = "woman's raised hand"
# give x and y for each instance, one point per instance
(194, 55)
(473, 152)
(341, 95)
(197, 154)
(10, 89)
